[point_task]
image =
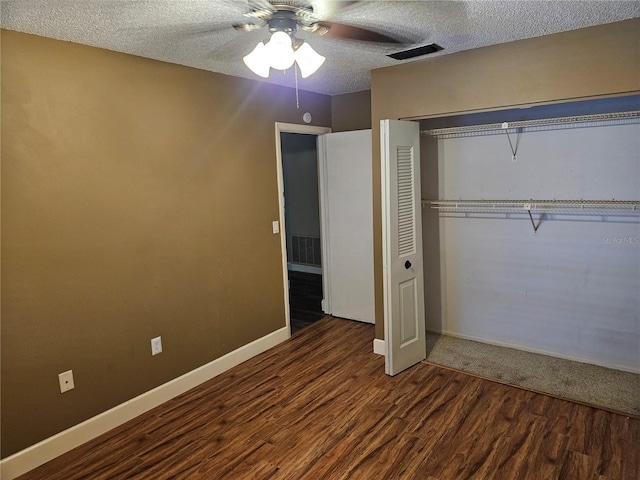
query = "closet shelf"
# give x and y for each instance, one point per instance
(560, 122)
(571, 207)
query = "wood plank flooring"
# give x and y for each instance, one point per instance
(319, 406)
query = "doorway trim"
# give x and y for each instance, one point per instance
(281, 127)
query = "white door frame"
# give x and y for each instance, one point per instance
(322, 190)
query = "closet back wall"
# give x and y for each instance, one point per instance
(571, 289)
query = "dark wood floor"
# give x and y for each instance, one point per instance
(305, 299)
(319, 406)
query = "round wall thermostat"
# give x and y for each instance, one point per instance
(306, 117)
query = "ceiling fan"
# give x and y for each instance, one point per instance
(283, 18)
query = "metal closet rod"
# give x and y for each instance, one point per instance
(541, 207)
(575, 206)
(597, 117)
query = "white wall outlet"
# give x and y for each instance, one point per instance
(66, 381)
(156, 345)
(275, 226)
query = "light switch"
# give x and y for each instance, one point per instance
(276, 226)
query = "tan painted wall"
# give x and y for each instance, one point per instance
(137, 200)
(580, 64)
(351, 111)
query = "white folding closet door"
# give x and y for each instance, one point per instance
(404, 323)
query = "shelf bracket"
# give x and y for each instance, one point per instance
(514, 150)
(535, 227)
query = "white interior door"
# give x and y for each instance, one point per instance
(404, 327)
(348, 262)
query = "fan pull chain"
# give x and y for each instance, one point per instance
(295, 69)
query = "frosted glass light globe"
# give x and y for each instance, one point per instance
(257, 61)
(279, 51)
(308, 60)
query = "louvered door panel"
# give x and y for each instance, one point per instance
(406, 208)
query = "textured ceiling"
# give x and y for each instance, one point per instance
(198, 33)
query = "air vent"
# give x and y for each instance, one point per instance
(416, 52)
(306, 250)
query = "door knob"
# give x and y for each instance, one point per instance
(407, 264)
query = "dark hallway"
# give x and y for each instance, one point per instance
(305, 299)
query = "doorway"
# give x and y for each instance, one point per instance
(341, 195)
(300, 178)
(302, 227)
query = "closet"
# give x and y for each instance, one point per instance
(531, 229)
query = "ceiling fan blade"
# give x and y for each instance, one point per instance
(180, 32)
(326, 8)
(350, 32)
(262, 5)
(247, 27)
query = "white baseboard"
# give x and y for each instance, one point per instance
(535, 350)
(378, 346)
(298, 267)
(52, 447)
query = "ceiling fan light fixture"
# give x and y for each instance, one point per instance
(279, 51)
(258, 61)
(279, 54)
(308, 59)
